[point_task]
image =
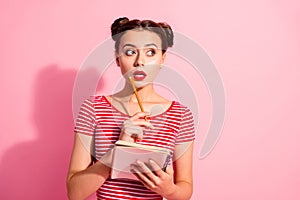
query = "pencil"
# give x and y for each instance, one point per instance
(137, 96)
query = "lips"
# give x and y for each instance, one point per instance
(139, 75)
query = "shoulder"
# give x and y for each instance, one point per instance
(180, 107)
(95, 100)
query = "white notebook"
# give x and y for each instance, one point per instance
(127, 153)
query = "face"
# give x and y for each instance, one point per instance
(140, 56)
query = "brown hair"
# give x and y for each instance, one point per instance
(123, 24)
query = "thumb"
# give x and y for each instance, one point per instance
(169, 170)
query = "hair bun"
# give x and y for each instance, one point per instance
(117, 24)
(169, 33)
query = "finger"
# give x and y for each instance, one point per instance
(137, 122)
(144, 179)
(156, 168)
(148, 172)
(134, 131)
(128, 122)
(169, 170)
(143, 123)
(139, 115)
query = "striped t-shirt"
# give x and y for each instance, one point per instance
(99, 119)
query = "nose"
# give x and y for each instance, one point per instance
(140, 60)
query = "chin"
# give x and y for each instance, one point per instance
(141, 84)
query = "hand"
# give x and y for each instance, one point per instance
(154, 178)
(133, 127)
(107, 157)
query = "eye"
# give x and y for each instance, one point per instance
(150, 52)
(129, 52)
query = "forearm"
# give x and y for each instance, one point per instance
(182, 190)
(82, 184)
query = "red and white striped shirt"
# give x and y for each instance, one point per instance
(100, 119)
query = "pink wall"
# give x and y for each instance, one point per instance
(255, 46)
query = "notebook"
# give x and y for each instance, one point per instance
(127, 153)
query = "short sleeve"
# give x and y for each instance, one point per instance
(186, 132)
(85, 122)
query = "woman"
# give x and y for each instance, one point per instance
(140, 49)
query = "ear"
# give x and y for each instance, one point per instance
(163, 57)
(117, 59)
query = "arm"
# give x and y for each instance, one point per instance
(83, 178)
(183, 177)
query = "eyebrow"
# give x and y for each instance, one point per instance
(146, 45)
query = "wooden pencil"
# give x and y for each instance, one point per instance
(137, 95)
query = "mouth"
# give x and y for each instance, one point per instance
(139, 75)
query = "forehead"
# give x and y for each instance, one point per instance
(140, 38)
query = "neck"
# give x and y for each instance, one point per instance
(127, 93)
(144, 93)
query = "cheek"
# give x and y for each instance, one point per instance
(125, 65)
(152, 71)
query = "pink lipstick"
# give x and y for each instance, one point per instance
(139, 75)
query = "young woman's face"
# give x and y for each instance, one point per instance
(140, 56)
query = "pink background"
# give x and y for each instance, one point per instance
(255, 46)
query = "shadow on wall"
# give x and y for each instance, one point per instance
(37, 169)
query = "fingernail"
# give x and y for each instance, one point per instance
(151, 126)
(151, 161)
(139, 162)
